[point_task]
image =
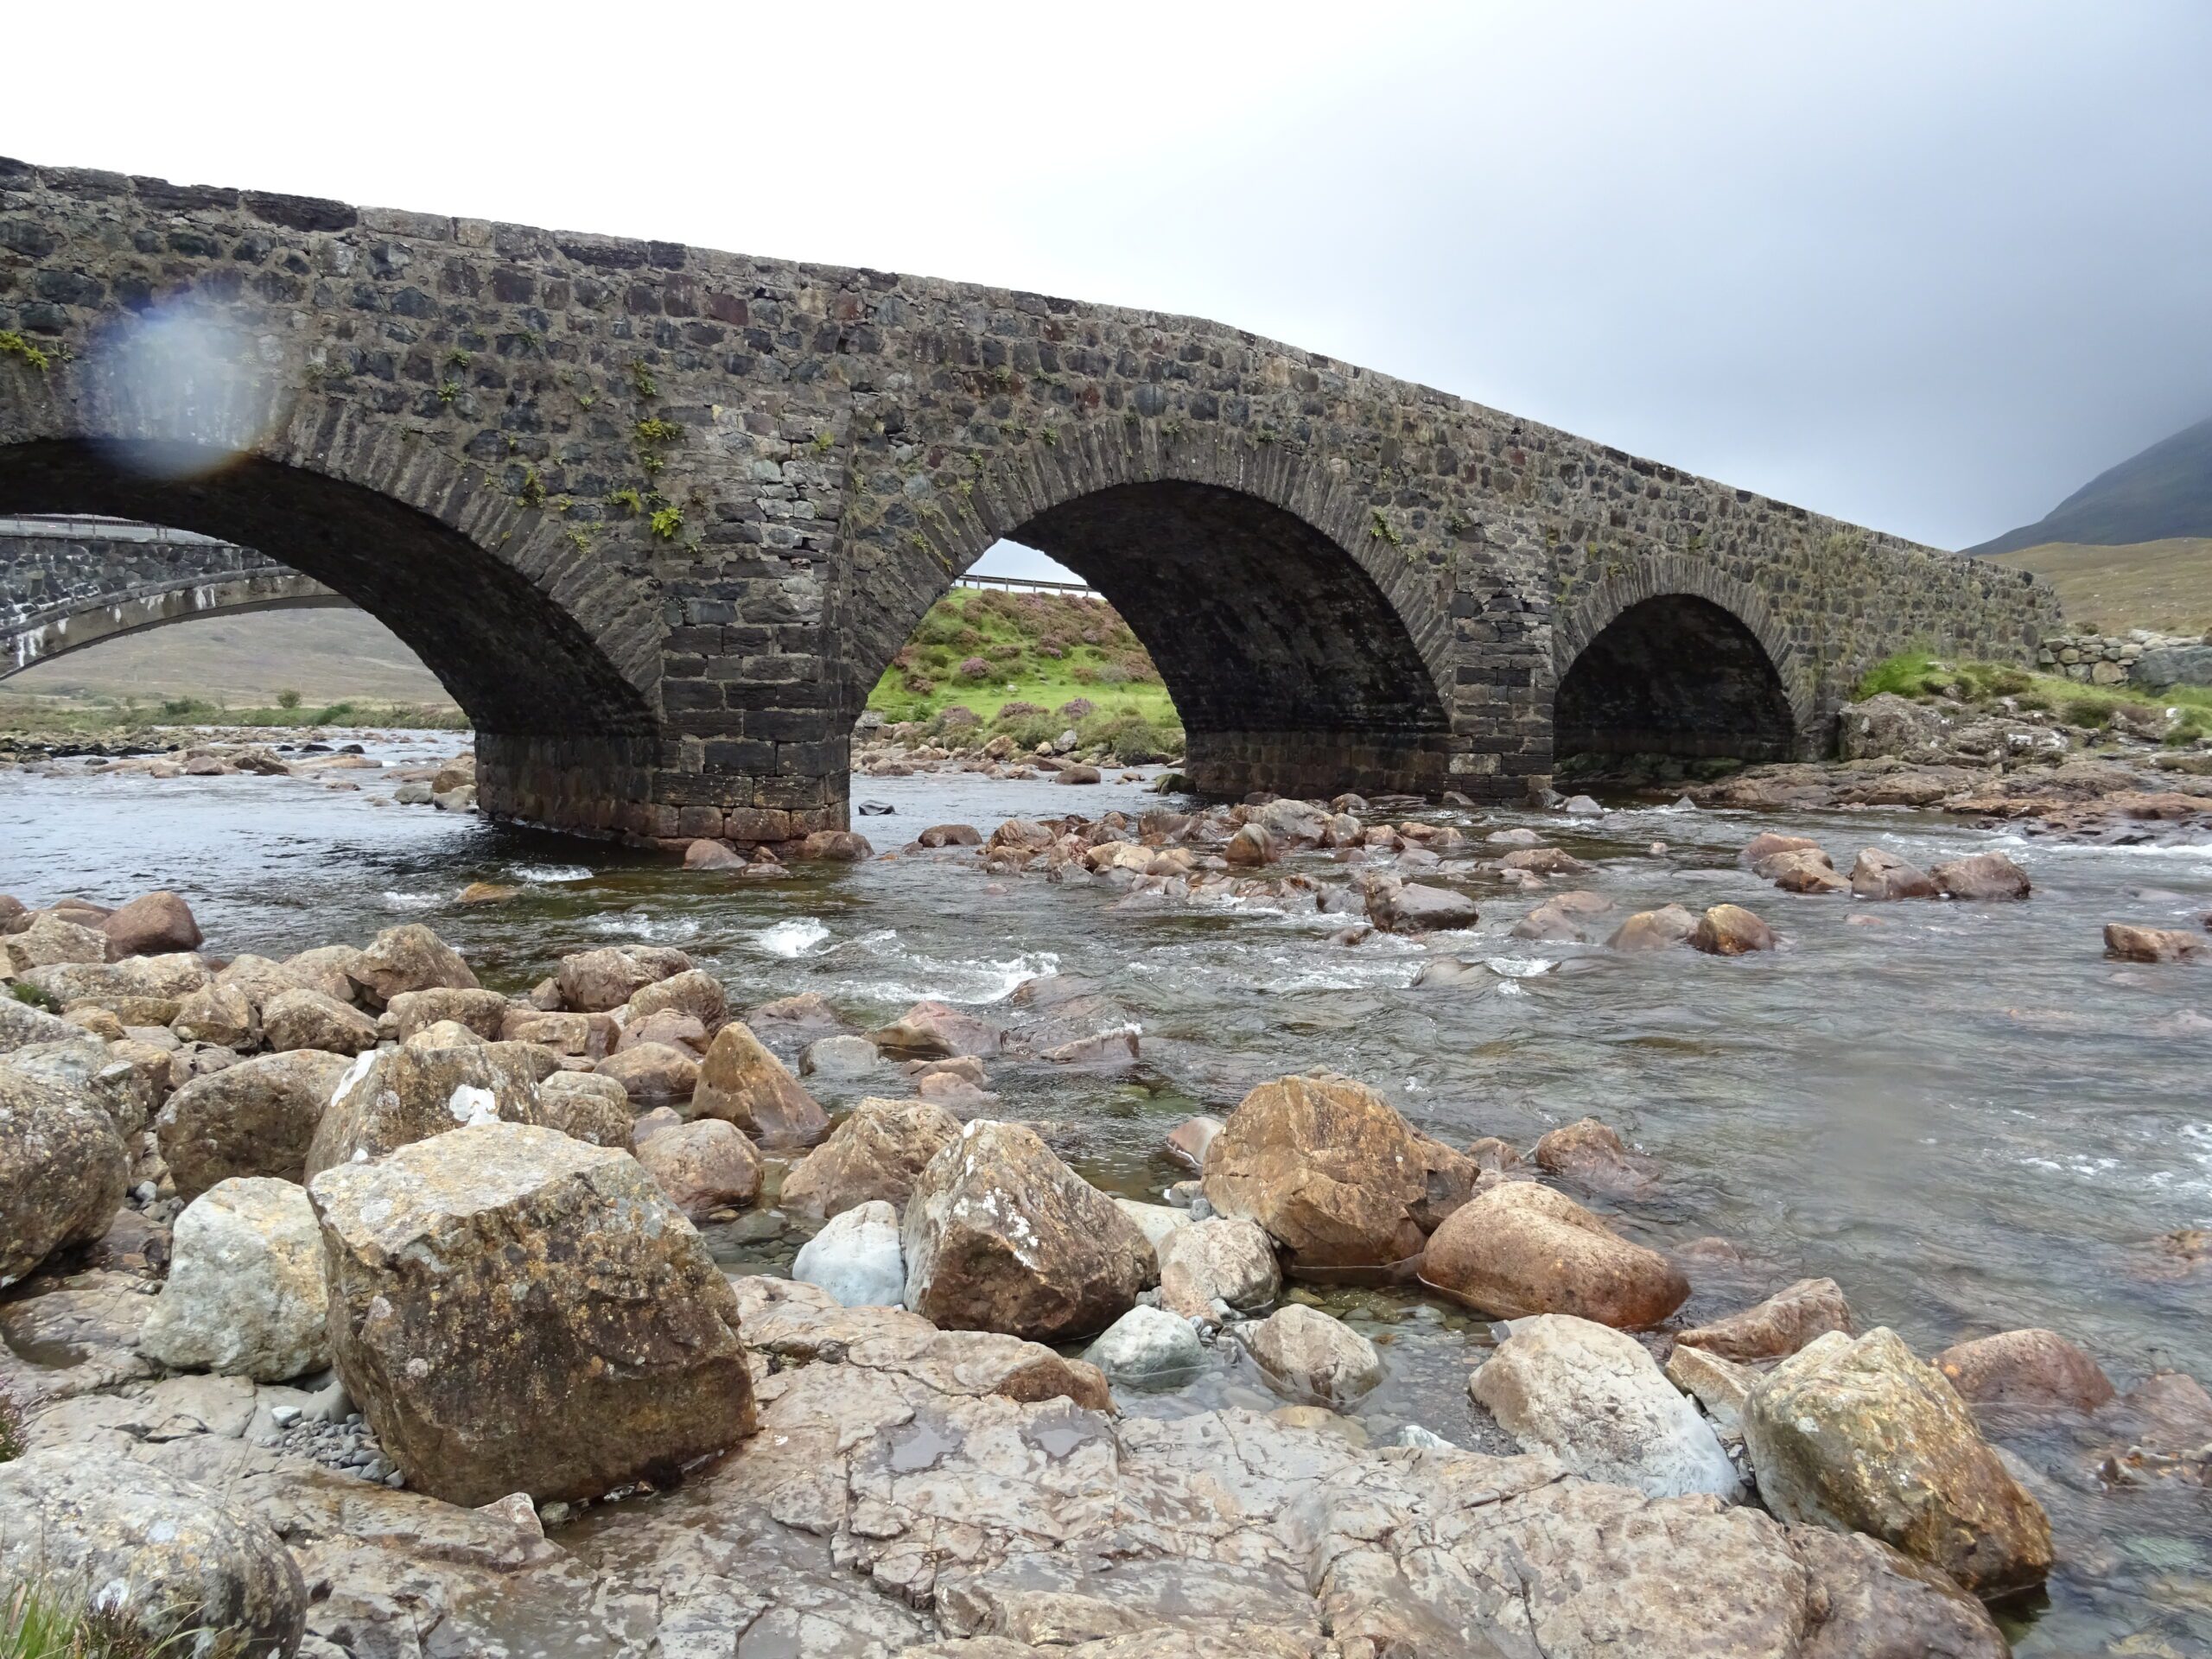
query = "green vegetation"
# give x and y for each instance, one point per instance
(2166, 585)
(1030, 666)
(40, 1619)
(668, 522)
(1919, 673)
(13, 345)
(61, 717)
(12, 1414)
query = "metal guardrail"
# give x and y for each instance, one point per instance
(104, 530)
(1026, 585)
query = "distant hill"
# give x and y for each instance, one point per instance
(2164, 584)
(2162, 494)
(244, 661)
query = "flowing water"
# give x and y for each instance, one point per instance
(1962, 1112)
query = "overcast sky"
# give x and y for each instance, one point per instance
(1925, 266)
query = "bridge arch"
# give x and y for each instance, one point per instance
(488, 593)
(1678, 657)
(1305, 650)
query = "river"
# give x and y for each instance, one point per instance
(1963, 1114)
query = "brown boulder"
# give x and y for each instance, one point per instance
(1332, 1173)
(2032, 1370)
(933, 1030)
(152, 925)
(702, 1166)
(593, 981)
(704, 854)
(1592, 1155)
(695, 992)
(1522, 1248)
(471, 1317)
(305, 1019)
(1803, 872)
(1654, 929)
(220, 1015)
(1778, 1326)
(258, 1117)
(1731, 930)
(326, 968)
(1877, 874)
(838, 846)
(1416, 908)
(1984, 875)
(878, 1150)
(999, 1234)
(585, 1036)
(1766, 844)
(741, 1083)
(949, 835)
(670, 1026)
(1189, 1142)
(484, 1013)
(586, 1106)
(2123, 943)
(1249, 846)
(653, 1074)
(1543, 860)
(63, 1171)
(406, 959)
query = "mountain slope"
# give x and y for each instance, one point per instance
(2165, 584)
(2164, 492)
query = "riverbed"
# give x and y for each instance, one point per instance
(1962, 1112)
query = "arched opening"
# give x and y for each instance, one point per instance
(1288, 666)
(1677, 676)
(518, 663)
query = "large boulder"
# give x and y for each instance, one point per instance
(1311, 1356)
(2028, 1370)
(1803, 872)
(592, 981)
(695, 992)
(482, 1012)
(1776, 1327)
(999, 1234)
(652, 1073)
(877, 1151)
(1877, 874)
(244, 1296)
(151, 925)
(1982, 876)
(327, 968)
(164, 1554)
(857, 1258)
(741, 1083)
(50, 941)
(474, 1319)
(703, 1166)
(408, 957)
(1219, 1259)
(258, 1117)
(220, 1015)
(1522, 1248)
(1598, 1401)
(1416, 908)
(1731, 930)
(1654, 929)
(123, 1079)
(1332, 1172)
(1591, 1155)
(2126, 942)
(396, 1096)
(301, 1018)
(1858, 1435)
(63, 1171)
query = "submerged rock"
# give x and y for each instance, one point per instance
(1148, 1348)
(1859, 1435)
(1521, 1249)
(244, 1294)
(1595, 1399)
(1654, 929)
(2028, 1370)
(999, 1234)
(1778, 1326)
(2123, 943)
(1312, 1356)
(469, 1319)
(935, 1031)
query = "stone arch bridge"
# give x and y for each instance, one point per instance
(660, 517)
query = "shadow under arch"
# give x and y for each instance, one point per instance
(1675, 674)
(518, 663)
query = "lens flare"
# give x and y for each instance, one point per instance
(180, 391)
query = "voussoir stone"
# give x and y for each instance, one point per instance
(180, 1556)
(1858, 1435)
(740, 1082)
(1598, 1401)
(470, 1316)
(258, 1117)
(394, 1096)
(1522, 1248)
(408, 957)
(301, 1017)
(1333, 1173)
(244, 1296)
(878, 1150)
(63, 1171)
(999, 1234)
